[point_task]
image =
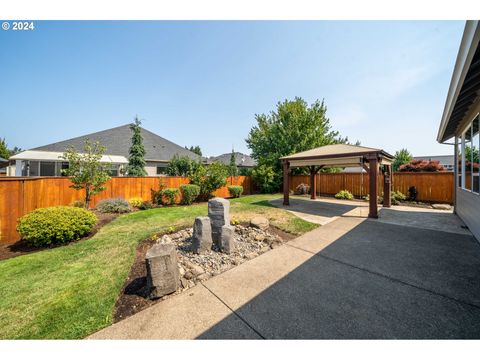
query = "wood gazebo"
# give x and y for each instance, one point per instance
(342, 155)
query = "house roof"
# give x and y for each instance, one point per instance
(3, 160)
(56, 156)
(240, 159)
(464, 87)
(118, 141)
(444, 159)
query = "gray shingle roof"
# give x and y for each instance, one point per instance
(240, 159)
(118, 140)
(3, 160)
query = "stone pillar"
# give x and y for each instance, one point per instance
(219, 214)
(227, 239)
(202, 235)
(286, 185)
(162, 270)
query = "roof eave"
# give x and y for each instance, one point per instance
(468, 46)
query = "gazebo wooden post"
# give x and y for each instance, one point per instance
(387, 186)
(286, 185)
(313, 185)
(373, 178)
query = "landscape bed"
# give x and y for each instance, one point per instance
(69, 292)
(194, 268)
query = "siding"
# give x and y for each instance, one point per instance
(468, 208)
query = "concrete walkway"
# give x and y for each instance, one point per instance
(352, 278)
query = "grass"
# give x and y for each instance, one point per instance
(70, 292)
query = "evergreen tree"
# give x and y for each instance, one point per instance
(136, 159)
(233, 170)
(195, 149)
(4, 152)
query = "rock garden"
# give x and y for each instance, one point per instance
(168, 264)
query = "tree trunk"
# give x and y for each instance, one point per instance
(87, 197)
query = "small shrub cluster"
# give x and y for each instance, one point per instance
(190, 193)
(422, 165)
(136, 202)
(235, 191)
(116, 206)
(78, 204)
(398, 196)
(344, 194)
(55, 225)
(302, 189)
(166, 196)
(146, 205)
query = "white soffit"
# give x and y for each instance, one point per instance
(56, 156)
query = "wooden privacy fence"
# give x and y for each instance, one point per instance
(432, 187)
(19, 196)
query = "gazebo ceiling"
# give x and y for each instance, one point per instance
(342, 155)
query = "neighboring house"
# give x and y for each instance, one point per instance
(460, 122)
(45, 160)
(447, 161)
(243, 161)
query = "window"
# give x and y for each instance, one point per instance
(161, 170)
(47, 168)
(475, 155)
(467, 166)
(33, 168)
(459, 161)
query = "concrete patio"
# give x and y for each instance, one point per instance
(352, 278)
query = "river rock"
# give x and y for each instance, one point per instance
(260, 222)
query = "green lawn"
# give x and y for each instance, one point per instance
(70, 292)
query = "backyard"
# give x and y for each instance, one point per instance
(70, 292)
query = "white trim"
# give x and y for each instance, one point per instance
(468, 46)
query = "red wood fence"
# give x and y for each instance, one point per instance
(433, 187)
(19, 196)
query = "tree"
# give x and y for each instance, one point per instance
(232, 168)
(85, 170)
(181, 166)
(263, 177)
(4, 152)
(136, 159)
(293, 127)
(402, 156)
(195, 149)
(469, 152)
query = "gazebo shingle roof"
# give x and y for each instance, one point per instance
(335, 150)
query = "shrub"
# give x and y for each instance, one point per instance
(422, 165)
(264, 178)
(167, 196)
(344, 194)
(209, 178)
(136, 202)
(146, 205)
(235, 190)
(78, 204)
(55, 225)
(398, 196)
(118, 206)
(190, 193)
(302, 189)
